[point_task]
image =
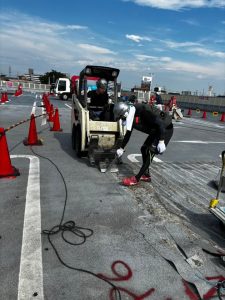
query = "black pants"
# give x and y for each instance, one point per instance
(149, 149)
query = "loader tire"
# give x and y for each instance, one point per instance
(78, 142)
(73, 138)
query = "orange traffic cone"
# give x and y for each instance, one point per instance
(44, 101)
(189, 112)
(47, 103)
(222, 117)
(6, 97)
(47, 106)
(3, 99)
(204, 115)
(44, 97)
(56, 124)
(6, 169)
(32, 136)
(50, 114)
(19, 91)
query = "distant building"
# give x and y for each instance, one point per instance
(186, 93)
(35, 78)
(30, 71)
(3, 77)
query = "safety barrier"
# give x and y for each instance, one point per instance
(27, 86)
(209, 104)
(6, 168)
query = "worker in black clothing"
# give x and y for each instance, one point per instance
(150, 120)
(98, 100)
(158, 100)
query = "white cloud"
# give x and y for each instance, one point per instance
(196, 48)
(200, 76)
(207, 52)
(33, 42)
(75, 27)
(191, 22)
(142, 57)
(95, 49)
(180, 4)
(174, 45)
(137, 38)
(210, 70)
(163, 63)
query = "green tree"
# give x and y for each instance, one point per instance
(51, 77)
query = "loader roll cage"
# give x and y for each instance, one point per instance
(95, 133)
(94, 73)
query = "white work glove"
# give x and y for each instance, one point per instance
(161, 147)
(119, 152)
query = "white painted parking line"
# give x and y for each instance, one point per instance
(44, 116)
(31, 272)
(157, 159)
(68, 106)
(182, 127)
(33, 109)
(203, 122)
(132, 158)
(198, 142)
(181, 123)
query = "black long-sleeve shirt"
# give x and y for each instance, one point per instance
(146, 118)
(98, 99)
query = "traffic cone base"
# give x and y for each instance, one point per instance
(3, 98)
(52, 129)
(14, 172)
(18, 92)
(204, 115)
(189, 113)
(38, 142)
(32, 139)
(6, 168)
(6, 97)
(222, 117)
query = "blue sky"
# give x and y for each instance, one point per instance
(182, 42)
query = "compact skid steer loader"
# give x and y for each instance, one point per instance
(97, 139)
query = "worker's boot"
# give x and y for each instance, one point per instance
(146, 178)
(130, 181)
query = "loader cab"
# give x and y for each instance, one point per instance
(92, 74)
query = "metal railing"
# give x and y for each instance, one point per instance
(26, 86)
(198, 102)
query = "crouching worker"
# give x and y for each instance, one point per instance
(150, 120)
